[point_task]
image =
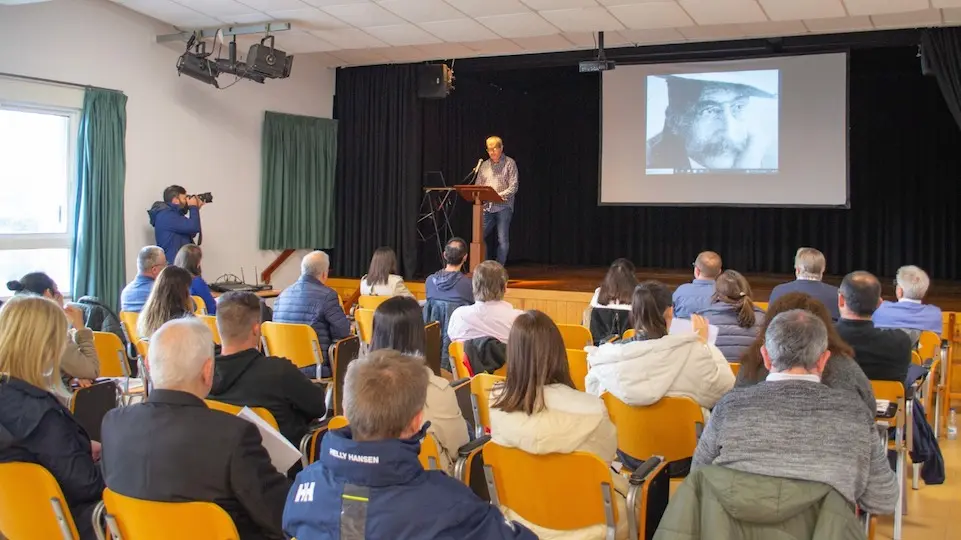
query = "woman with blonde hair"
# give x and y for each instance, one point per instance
(169, 299)
(34, 426)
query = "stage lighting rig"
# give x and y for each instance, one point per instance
(196, 63)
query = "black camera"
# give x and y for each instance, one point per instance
(205, 198)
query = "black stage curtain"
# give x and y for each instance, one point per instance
(904, 173)
(942, 51)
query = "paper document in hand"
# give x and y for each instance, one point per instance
(282, 454)
(684, 326)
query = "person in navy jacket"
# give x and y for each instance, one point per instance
(369, 483)
(809, 267)
(176, 220)
(908, 313)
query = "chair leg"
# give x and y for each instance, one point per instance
(915, 476)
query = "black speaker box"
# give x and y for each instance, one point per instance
(433, 81)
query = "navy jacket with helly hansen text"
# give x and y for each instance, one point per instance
(378, 490)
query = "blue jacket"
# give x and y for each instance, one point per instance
(826, 294)
(909, 315)
(732, 339)
(135, 294)
(450, 286)
(36, 428)
(378, 490)
(439, 310)
(172, 229)
(693, 297)
(308, 301)
(199, 287)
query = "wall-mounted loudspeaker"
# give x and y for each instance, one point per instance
(434, 81)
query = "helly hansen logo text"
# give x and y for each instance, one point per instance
(373, 460)
(305, 492)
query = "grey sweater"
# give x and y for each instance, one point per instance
(801, 430)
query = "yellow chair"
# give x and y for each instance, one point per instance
(575, 336)
(371, 302)
(137, 519)
(295, 342)
(429, 455)
(365, 323)
(32, 504)
(200, 307)
(929, 345)
(761, 305)
(628, 334)
(310, 443)
(456, 353)
(915, 358)
(669, 428)
(128, 320)
(894, 392)
(480, 390)
(735, 368)
(234, 410)
(211, 322)
(110, 352)
(577, 363)
(338, 422)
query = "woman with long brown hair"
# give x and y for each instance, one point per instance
(841, 370)
(190, 258)
(538, 410)
(732, 311)
(169, 299)
(381, 278)
(612, 301)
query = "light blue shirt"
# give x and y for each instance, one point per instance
(693, 297)
(135, 294)
(909, 314)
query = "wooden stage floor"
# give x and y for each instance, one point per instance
(945, 294)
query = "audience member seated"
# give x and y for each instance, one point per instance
(398, 325)
(737, 319)
(34, 426)
(884, 355)
(451, 284)
(908, 313)
(692, 297)
(244, 376)
(150, 262)
(653, 363)
(490, 315)
(840, 372)
(809, 267)
(381, 278)
(369, 482)
(176, 220)
(169, 299)
(611, 302)
(310, 301)
(172, 448)
(537, 410)
(79, 359)
(189, 258)
(792, 426)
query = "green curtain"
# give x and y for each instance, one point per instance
(98, 259)
(299, 157)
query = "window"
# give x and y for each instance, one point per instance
(37, 150)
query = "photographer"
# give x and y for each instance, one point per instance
(176, 219)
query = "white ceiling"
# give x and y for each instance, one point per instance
(353, 32)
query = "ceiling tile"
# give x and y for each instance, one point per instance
(723, 11)
(541, 5)
(440, 51)
(712, 32)
(270, 5)
(592, 19)
(551, 43)
(625, 2)
(297, 41)
(401, 34)
(349, 38)
(652, 15)
(913, 19)
(946, 4)
(326, 59)
(773, 29)
(654, 35)
(951, 15)
(485, 8)
(310, 18)
(839, 24)
(361, 57)
(321, 3)
(217, 8)
(401, 54)
(459, 30)
(250, 18)
(363, 15)
(795, 10)
(419, 11)
(873, 7)
(493, 46)
(160, 9)
(518, 25)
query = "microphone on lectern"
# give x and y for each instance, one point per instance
(477, 167)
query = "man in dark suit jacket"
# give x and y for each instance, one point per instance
(174, 449)
(884, 355)
(244, 376)
(809, 269)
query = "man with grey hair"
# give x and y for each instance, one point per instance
(489, 315)
(150, 261)
(908, 313)
(368, 481)
(310, 301)
(172, 448)
(792, 426)
(809, 267)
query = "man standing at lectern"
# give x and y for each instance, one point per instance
(500, 173)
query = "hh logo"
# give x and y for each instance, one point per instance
(305, 492)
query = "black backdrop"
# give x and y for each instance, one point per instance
(904, 173)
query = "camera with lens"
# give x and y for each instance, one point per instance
(205, 198)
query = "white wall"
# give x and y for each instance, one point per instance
(179, 131)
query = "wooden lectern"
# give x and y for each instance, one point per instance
(477, 195)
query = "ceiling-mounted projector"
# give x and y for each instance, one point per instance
(601, 63)
(268, 61)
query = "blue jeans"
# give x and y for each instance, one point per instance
(502, 220)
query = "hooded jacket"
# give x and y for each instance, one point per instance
(449, 286)
(172, 229)
(378, 490)
(724, 504)
(642, 372)
(732, 339)
(248, 378)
